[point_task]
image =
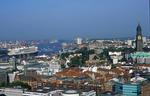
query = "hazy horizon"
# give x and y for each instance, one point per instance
(68, 19)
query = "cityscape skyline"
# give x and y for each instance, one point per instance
(24, 20)
(74, 47)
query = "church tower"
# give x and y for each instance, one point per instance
(139, 40)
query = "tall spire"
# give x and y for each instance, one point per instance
(139, 39)
(139, 29)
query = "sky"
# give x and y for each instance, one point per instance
(68, 19)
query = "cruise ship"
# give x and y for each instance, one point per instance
(23, 51)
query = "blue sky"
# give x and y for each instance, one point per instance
(67, 19)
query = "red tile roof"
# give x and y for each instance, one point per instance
(70, 72)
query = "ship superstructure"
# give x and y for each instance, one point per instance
(23, 52)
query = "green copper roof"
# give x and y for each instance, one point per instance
(141, 55)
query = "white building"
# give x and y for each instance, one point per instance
(41, 92)
(70, 93)
(11, 92)
(129, 42)
(144, 39)
(52, 67)
(50, 93)
(79, 41)
(90, 93)
(115, 56)
(12, 76)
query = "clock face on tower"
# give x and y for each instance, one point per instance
(139, 37)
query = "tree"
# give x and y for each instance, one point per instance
(78, 60)
(2, 84)
(22, 84)
(63, 66)
(64, 55)
(75, 61)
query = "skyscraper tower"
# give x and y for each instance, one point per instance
(139, 39)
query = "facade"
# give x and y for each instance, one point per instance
(117, 88)
(12, 61)
(3, 55)
(46, 91)
(11, 92)
(115, 56)
(30, 77)
(129, 42)
(141, 57)
(131, 89)
(127, 89)
(3, 76)
(50, 69)
(145, 89)
(54, 66)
